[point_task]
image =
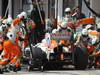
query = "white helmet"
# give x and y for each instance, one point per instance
(88, 26)
(67, 10)
(94, 39)
(4, 23)
(19, 16)
(23, 14)
(84, 32)
(43, 41)
(54, 31)
(63, 24)
(11, 36)
(9, 20)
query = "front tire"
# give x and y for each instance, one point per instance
(80, 58)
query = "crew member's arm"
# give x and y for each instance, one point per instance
(78, 39)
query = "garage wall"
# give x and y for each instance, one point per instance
(0, 7)
(95, 4)
(17, 6)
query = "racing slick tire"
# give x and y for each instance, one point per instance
(80, 58)
(39, 59)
